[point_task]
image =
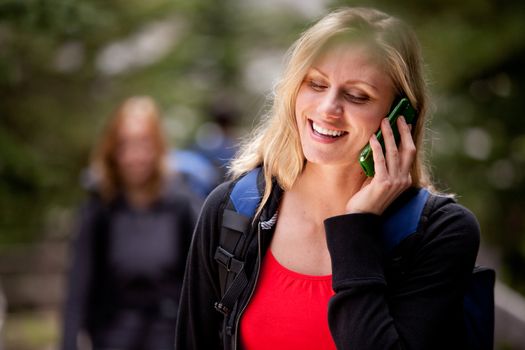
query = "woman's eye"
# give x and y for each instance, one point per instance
(317, 86)
(355, 98)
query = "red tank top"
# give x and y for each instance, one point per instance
(288, 310)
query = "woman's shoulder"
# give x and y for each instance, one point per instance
(444, 218)
(92, 204)
(208, 224)
(446, 206)
(217, 196)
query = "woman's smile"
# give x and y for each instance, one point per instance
(325, 134)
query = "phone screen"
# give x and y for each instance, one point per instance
(402, 107)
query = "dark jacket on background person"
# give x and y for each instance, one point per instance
(127, 270)
(410, 298)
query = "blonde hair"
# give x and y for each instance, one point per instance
(103, 160)
(275, 143)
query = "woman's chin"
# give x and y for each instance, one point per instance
(137, 181)
(328, 161)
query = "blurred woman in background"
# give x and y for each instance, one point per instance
(131, 240)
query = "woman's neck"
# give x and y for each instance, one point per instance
(328, 188)
(139, 197)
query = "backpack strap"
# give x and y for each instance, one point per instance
(478, 299)
(404, 221)
(245, 195)
(236, 223)
(478, 308)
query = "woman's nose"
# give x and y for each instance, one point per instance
(331, 105)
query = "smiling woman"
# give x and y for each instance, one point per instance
(317, 271)
(391, 48)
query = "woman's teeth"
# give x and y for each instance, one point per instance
(326, 132)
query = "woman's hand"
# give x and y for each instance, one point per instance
(392, 174)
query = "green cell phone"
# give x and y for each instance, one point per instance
(402, 107)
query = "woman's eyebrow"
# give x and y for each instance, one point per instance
(319, 71)
(349, 81)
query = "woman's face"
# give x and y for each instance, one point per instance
(136, 154)
(340, 104)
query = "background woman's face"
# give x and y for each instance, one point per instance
(341, 102)
(136, 153)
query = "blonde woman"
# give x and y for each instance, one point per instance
(318, 275)
(132, 240)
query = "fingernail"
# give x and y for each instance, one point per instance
(402, 119)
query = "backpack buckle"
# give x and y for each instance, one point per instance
(227, 260)
(223, 309)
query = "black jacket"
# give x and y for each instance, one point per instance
(124, 285)
(410, 298)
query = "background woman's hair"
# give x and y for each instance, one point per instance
(275, 143)
(103, 160)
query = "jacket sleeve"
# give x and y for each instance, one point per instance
(80, 276)
(424, 310)
(198, 324)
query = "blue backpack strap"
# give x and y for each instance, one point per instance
(245, 195)
(404, 221)
(237, 220)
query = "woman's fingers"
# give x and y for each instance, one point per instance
(407, 148)
(379, 158)
(392, 171)
(392, 154)
(395, 165)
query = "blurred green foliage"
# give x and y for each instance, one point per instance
(65, 64)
